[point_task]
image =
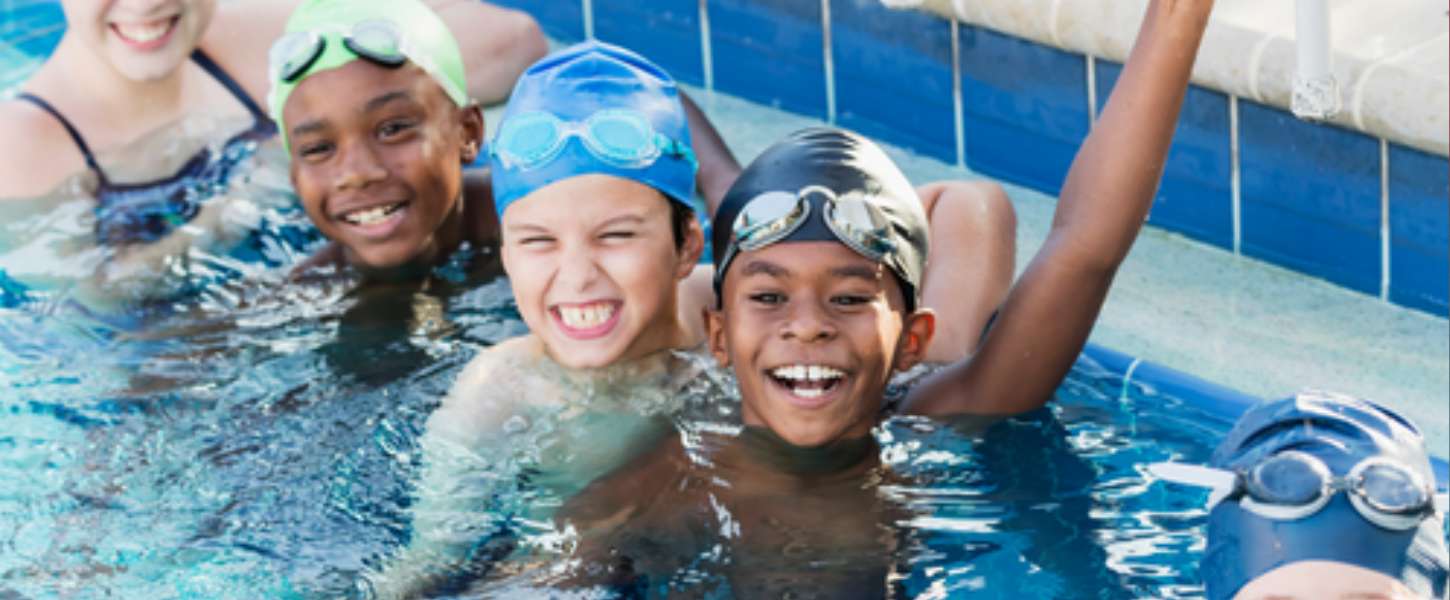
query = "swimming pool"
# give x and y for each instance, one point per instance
(260, 446)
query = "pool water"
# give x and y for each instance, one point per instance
(272, 454)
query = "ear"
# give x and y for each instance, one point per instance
(916, 334)
(690, 250)
(470, 121)
(715, 325)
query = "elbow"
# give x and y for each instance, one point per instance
(521, 43)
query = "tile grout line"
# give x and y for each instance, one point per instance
(588, 6)
(830, 64)
(1092, 90)
(958, 118)
(707, 58)
(1235, 188)
(1384, 219)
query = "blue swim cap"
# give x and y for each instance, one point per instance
(1340, 431)
(580, 82)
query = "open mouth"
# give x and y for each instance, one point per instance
(587, 320)
(372, 216)
(146, 35)
(807, 382)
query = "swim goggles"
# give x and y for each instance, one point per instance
(773, 216)
(622, 138)
(1294, 484)
(376, 40)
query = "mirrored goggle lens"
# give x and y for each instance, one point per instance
(860, 224)
(1291, 478)
(290, 57)
(378, 41)
(621, 137)
(530, 139)
(1392, 489)
(768, 218)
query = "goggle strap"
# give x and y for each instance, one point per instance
(1221, 483)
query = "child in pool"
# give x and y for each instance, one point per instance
(1278, 528)
(595, 280)
(820, 250)
(130, 77)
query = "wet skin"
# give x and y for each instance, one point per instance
(377, 157)
(595, 279)
(813, 331)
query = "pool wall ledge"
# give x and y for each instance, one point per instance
(1216, 400)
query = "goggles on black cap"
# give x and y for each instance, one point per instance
(772, 216)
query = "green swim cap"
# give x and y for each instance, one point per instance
(423, 39)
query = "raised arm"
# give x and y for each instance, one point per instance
(1048, 314)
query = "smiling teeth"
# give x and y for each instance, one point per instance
(371, 215)
(807, 373)
(586, 317)
(144, 32)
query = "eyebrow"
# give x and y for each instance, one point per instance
(622, 220)
(761, 267)
(307, 127)
(871, 274)
(385, 99)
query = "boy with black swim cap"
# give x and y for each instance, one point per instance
(820, 249)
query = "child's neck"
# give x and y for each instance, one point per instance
(758, 448)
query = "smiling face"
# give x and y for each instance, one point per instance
(594, 264)
(143, 40)
(814, 331)
(377, 157)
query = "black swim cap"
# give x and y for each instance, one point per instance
(845, 163)
(1340, 431)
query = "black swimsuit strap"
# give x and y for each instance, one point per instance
(75, 135)
(262, 121)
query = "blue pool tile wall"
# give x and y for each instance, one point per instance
(1195, 196)
(560, 19)
(1025, 107)
(893, 76)
(771, 52)
(1310, 197)
(1418, 226)
(674, 33)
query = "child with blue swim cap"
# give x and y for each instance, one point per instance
(1321, 495)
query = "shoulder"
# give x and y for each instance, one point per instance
(486, 392)
(37, 154)
(239, 37)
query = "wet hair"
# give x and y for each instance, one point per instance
(680, 217)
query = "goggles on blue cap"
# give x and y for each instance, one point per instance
(1293, 485)
(772, 216)
(619, 137)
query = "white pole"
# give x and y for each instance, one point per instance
(1316, 93)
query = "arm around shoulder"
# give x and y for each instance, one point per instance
(498, 44)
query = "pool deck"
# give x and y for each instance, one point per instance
(1242, 323)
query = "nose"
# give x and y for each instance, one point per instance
(808, 322)
(358, 167)
(578, 269)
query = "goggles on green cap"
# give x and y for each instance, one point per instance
(328, 34)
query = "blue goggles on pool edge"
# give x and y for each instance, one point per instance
(1294, 484)
(622, 138)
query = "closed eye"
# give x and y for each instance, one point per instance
(618, 234)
